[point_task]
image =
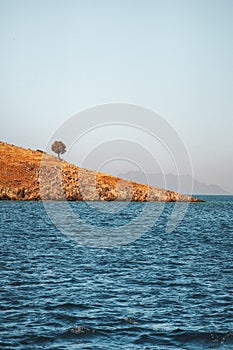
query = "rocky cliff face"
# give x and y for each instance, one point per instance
(35, 175)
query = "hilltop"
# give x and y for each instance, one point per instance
(34, 175)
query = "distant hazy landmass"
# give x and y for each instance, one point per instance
(171, 182)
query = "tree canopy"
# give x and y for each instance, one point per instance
(58, 147)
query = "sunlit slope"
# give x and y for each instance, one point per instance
(34, 175)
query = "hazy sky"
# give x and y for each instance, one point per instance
(175, 57)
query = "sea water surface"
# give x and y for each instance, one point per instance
(161, 291)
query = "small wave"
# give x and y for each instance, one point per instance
(81, 330)
(131, 320)
(84, 331)
(66, 306)
(149, 339)
(36, 339)
(212, 337)
(178, 337)
(16, 283)
(63, 317)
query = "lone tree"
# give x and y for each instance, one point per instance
(58, 147)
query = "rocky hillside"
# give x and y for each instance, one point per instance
(35, 175)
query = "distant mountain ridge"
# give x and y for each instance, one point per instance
(171, 181)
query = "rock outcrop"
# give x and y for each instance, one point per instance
(35, 175)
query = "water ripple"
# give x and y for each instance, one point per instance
(163, 291)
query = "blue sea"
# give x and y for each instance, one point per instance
(161, 290)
